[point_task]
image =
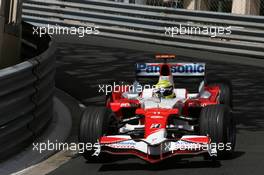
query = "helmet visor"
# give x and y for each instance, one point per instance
(166, 91)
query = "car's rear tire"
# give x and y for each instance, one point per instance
(96, 122)
(217, 122)
(225, 96)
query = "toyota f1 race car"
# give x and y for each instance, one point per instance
(162, 120)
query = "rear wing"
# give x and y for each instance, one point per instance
(177, 69)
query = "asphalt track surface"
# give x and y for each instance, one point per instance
(81, 68)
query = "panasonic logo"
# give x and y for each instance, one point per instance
(176, 68)
(192, 68)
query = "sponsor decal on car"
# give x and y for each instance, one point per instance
(129, 144)
(177, 69)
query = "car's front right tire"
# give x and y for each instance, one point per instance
(217, 122)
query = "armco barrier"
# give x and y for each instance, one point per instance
(26, 95)
(147, 24)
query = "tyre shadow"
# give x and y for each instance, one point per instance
(165, 165)
(117, 164)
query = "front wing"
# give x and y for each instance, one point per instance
(186, 145)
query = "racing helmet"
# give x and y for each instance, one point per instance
(165, 89)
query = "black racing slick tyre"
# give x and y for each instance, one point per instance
(96, 122)
(217, 122)
(225, 96)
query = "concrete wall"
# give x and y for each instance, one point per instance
(2, 5)
(196, 4)
(246, 7)
(2, 21)
(2, 27)
(10, 32)
(10, 50)
(189, 4)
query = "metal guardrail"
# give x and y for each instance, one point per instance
(147, 24)
(26, 96)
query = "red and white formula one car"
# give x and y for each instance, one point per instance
(162, 121)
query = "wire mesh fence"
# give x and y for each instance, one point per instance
(210, 5)
(220, 6)
(166, 3)
(247, 7)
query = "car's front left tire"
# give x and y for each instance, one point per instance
(96, 122)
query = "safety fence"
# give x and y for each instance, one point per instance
(242, 34)
(26, 94)
(250, 7)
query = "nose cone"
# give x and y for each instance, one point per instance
(155, 124)
(156, 137)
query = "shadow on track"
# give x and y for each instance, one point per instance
(171, 163)
(166, 165)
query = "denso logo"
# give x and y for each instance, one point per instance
(125, 145)
(175, 68)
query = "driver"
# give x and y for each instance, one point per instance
(164, 89)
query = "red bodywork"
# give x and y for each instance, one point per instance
(156, 116)
(118, 102)
(156, 120)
